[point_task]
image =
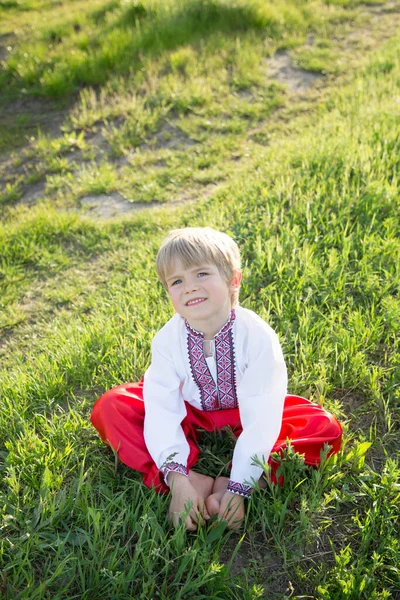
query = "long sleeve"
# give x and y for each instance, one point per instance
(261, 394)
(164, 412)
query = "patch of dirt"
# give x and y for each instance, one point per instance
(75, 156)
(281, 68)
(351, 399)
(123, 161)
(99, 146)
(194, 195)
(168, 136)
(379, 9)
(41, 114)
(5, 41)
(380, 26)
(357, 407)
(258, 558)
(29, 114)
(106, 206)
(12, 167)
(33, 193)
(99, 143)
(382, 22)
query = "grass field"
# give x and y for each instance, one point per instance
(172, 105)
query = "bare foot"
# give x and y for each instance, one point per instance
(203, 484)
(213, 502)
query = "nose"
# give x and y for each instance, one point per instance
(191, 285)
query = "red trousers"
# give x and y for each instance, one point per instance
(118, 416)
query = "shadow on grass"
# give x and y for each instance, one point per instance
(28, 5)
(118, 42)
(168, 29)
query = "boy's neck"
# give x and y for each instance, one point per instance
(210, 327)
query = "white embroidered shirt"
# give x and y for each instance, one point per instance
(247, 370)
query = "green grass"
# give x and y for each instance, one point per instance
(314, 208)
(88, 42)
(206, 91)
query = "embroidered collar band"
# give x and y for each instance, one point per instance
(226, 327)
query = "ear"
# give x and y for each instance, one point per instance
(236, 280)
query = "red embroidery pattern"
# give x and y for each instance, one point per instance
(201, 374)
(220, 395)
(225, 360)
(239, 488)
(174, 466)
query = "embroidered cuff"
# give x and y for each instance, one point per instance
(173, 466)
(239, 488)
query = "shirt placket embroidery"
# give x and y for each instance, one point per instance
(221, 394)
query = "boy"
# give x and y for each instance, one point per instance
(214, 364)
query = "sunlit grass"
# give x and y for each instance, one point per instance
(85, 42)
(315, 211)
(211, 87)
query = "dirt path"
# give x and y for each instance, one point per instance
(20, 168)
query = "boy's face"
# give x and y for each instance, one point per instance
(201, 295)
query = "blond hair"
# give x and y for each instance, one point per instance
(199, 245)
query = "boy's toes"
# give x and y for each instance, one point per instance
(203, 484)
(221, 484)
(212, 504)
(207, 485)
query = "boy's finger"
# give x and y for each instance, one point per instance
(230, 520)
(224, 512)
(230, 515)
(176, 518)
(190, 524)
(203, 511)
(234, 524)
(198, 517)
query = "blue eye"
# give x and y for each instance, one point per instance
(176, 282)
(201, 274)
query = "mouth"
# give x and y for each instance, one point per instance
(195, 301)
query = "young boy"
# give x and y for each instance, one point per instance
(214, 364)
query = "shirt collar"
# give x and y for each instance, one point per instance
(226, 327)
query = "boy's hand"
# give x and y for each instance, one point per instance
(183, 492)
(232, 509)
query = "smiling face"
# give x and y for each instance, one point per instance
(201, 295)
